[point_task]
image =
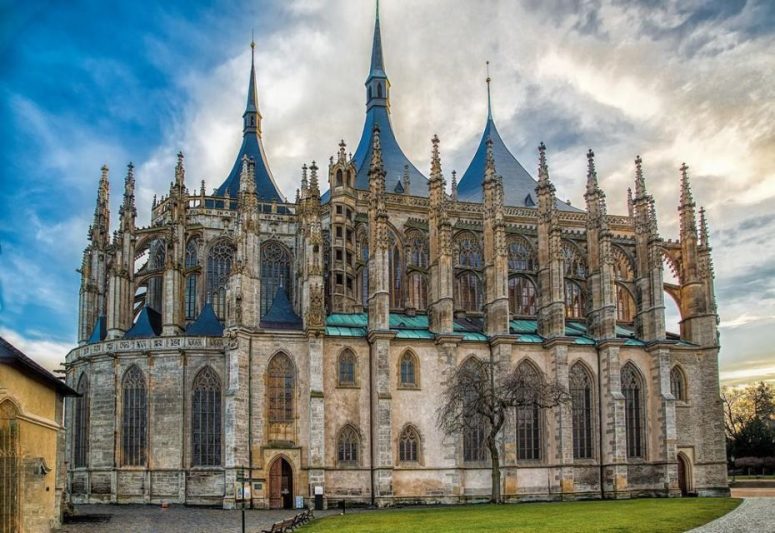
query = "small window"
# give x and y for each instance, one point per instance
(347, 364)
(339, 210)
(339, 181)
(347, 447)
(349, 258)
(678, 384)
(409, 446)
(339, 279)
(350, 235)
(408, 371)
(349, 214)
(339, 255)
(339, 232)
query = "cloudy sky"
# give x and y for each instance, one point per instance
(86, 83)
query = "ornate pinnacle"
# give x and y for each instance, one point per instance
(704, 233)
(304, 184)
(489, 165)
(629, 201)
(376, 152)
(342, 152)
(313, 183)
(592, 184)
(405, 181)
(180, 173)
(686, 190)
(128, 205)
(453, 192)
(435, 158)
(640, 182)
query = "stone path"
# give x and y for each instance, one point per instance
(176, 518)
(755, 515)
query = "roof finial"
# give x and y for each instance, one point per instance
(489, 100)
(640, 182)
(592, 184)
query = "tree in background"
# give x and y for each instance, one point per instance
(749, 420)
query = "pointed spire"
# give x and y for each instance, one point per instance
(592, 184)
(252, 116)
(629, 201)
(98, 232)
(489, 99)
(687, 200)
(377, 83)
(543, 168)
(489, 165)
(377, 62)
(435, 159)
(453, 192)
(304, 183)
(640, 182)
(686, 208)
(342, 156)
(704, 233)
(180, 174)
(313, 181)
(128, 212)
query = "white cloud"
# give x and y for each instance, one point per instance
(48, 353)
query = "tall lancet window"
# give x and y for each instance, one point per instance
(474, 425)
(581, 409)
(632, 389)
(363, 272)
(396, 273)
(134, 425)
(206, 419)
(280, 390)
(417, 265)
(81, 429)
(156, 260)
(469, 251)
(219, 262)
(192, 280)
(275, 272)
(468, 292)
(529, 434)
(522, 296)
(521, 256)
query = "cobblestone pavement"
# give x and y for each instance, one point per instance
(755, 515)
(176, 518)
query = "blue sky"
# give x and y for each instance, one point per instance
(88, 83)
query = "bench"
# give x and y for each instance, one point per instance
(289, 524)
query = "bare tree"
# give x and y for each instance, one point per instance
(478, 397)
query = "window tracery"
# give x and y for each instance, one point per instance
(206, 432)
(469, 251)
(347, 367)
(678, 383)
(275, 272)
(574, 300)
(521, 256)
(135, 418)
(529, 434)
(281, 389)
(581, 411)
(219, 261)
(632, 389)
(522, 296)
(574, 264)
(81, 433)
(348, 445)
(409, 445)
(468, 292)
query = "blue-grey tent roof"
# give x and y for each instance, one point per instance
(519, 187)
(281, 314)
(206, 324)
(148, 324)
(99, 331)
(393, 157)
(266, 188)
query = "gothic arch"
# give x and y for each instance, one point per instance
(626, 308)
(349, 446)
(529, 418)
(408, 370)
(276, 260)
(220, 256)
(281, 395)
(582, 391)
(347, 368)
(81, 422)
(624, 266)
(417, 249)
(678, 383)
(634, 389)
(574, 264)
(521, 254)
(134, 417)
(410, 445)
(468, 250)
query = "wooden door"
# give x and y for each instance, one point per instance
(287, 485)
(682, 473)
(275, 485)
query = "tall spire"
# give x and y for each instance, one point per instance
(489, 100)
(128, 211)
(99, 230)
(377, 84)
(640, 182)
(592, 184)
(252, 116)
(686, 209)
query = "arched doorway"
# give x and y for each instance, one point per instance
(280, 484)
(684, 474)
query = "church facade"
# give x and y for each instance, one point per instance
(302, 346)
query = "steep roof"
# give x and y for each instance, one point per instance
(281, 314)
(206, 324)
(378, 113)
(11, 355)
(148, 324)
(100, 331)
(252, 146)
(519, 187)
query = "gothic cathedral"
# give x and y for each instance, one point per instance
(303, 345)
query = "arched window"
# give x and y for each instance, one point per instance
(623, 270)
(625, 306)
(206, 419)
(347, 367)
(281, 389)
(275, 272)
(581, 411)
(474, 425)
(521, 256)
(379, 90)
(468, 292)
(469, 251)
(529, 434)
(418, 249)
(574, 300)
(522, 296)
(219, 262)
(408, 371)
(396, 274)
(575, 266)
(418, 290)
(134, 427)
(678, 383)
(81, 433)
(192, 278)
(632, 389)
(347, 446)
(339, 178)
(409, 445)
(156, 260)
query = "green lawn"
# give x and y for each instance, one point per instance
(642, 515)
